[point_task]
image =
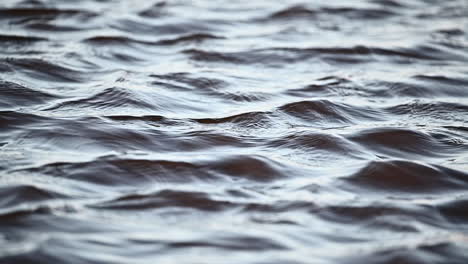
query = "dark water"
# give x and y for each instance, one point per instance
(234, 131)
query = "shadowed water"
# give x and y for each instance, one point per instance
(234, 131)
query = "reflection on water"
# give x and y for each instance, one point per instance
(234, 131)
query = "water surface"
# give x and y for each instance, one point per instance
(234, 131)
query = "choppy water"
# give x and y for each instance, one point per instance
(234, 131)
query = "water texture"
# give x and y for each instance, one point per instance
(234, 131)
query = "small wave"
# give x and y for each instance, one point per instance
(398, 142)
(316, 112)
(157, 10)
(114, 97)
(357, 54)
(300, 11)
(133, 26)
(115, 40)
(165, 198)
(254, 168)
(197, 38)
(200, 83)
(378, 216)
(13, 95)
(294, 11)
(359, 13)
(327, 111)
(48, 13)
(436, 110)
(117, 171)
(152, 171)
(244, 97)
(54, 28)
(438, 79)
(422, 252)
(455, 211)
(389, 3)
(233, 243)
(89, 135)
(314, 141)
(150, 118)
(12, 119)
(250, 119)
(45, 70)
(24, 194)
(407, 176)
(329, 85)
(402, 89)
(8, 40)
